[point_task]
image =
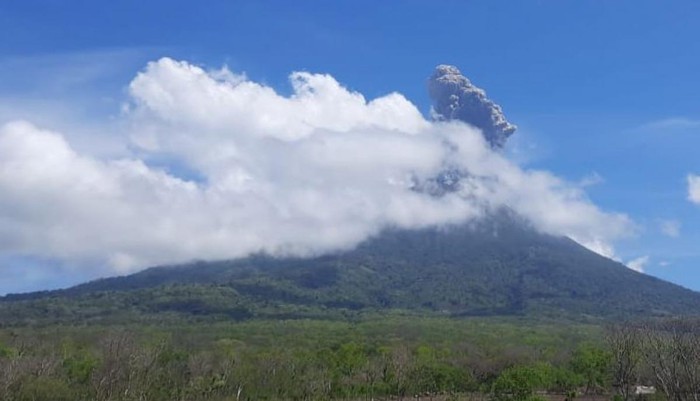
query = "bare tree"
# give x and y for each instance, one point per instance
(686, 346)
(672, 352)
(112, 380)
(624, 341)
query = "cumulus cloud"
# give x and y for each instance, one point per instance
(638, 264)
(317, 171)
(694, 188)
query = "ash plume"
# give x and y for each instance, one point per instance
(456, 98)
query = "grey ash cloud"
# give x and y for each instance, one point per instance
(456, 98)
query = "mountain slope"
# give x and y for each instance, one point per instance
(499, 266)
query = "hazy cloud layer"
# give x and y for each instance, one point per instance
(694, 188)
(317, 171)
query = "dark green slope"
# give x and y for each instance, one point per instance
(500, 266)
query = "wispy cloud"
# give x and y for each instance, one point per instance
(55, 74)
(590, 180)
(670, 228)
(694, 188)
(674, 123)
(639, 263)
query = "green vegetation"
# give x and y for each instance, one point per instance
(402, 358)
(285, 360)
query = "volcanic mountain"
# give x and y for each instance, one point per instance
(497, 265)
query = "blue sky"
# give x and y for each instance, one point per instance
(603, 92)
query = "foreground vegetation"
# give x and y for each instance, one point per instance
(283, 360)
(392, 357)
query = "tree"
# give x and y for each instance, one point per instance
(672, 351)
(519, 383)
(593, 365)
(624, 343)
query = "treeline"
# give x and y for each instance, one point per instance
(124, 365)
(141, 365)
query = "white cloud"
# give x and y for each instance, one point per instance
(638, 264)
(670, 228)
(320, 170)
(694, 188)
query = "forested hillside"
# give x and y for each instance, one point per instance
(497, 267)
